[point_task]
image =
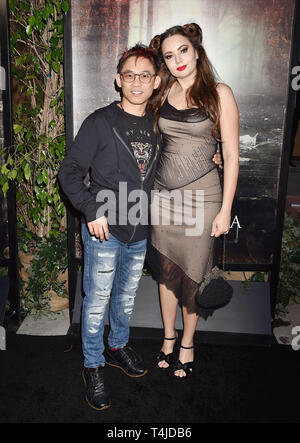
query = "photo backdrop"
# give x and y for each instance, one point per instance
(249, 45)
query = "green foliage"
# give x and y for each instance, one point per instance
(288, 289)
(289, 275)
(256, 277)
(49, 260)
(37, 57)
(3, 271)
(38, 119)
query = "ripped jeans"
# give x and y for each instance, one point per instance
(112, 272)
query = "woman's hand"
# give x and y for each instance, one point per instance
(99, 228)
(217, 159)
(221, 224)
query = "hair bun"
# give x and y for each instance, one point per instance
(155, 43)
(193, 30)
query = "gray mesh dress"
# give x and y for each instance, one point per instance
(186, 200)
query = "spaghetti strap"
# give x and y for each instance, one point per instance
(165, 97)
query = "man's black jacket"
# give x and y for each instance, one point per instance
(99, 149)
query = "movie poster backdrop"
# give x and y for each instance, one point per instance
(249, 45)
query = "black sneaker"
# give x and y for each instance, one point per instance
(127, 360)
(96, 395)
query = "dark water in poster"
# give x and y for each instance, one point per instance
(249, 45)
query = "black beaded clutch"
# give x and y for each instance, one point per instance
(215, 291)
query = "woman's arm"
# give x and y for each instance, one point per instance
(229, 128)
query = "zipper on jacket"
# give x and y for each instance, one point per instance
(142, 178)
(134, 228)
(126, 147)
(142, 187)
(152, 164)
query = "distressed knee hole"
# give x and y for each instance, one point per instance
(128, 311)
(139, 257)
(106, 254)
(108, 271)
(103, 294)
(95, 320)
(130, 302)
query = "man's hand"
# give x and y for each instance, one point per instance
(217, 159)
(99, 228)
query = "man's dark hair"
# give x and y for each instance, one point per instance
(137, 51)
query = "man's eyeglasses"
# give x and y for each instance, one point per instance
(144, 77)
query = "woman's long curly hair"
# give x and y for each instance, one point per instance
(203, 92)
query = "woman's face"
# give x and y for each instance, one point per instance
(180, 56)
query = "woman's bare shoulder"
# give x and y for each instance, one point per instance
(226, 96)
(224, 90)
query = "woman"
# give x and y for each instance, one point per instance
(193, 112)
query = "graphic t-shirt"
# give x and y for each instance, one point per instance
(138, 133)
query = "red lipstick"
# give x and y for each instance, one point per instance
(181, 68)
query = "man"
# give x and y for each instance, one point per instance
(117, 145)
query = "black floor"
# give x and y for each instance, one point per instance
(41, 383)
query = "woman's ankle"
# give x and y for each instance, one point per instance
(187, 343)
(170, 334)
(186, 355)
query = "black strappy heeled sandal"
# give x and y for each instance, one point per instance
(186, 367)
(169, 357)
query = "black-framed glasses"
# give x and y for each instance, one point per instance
(144, 77)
